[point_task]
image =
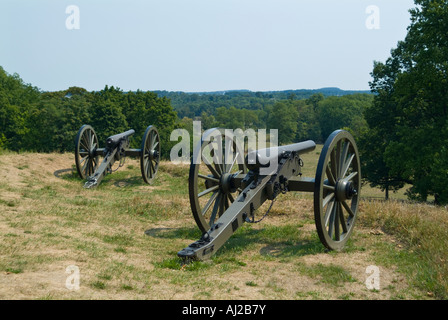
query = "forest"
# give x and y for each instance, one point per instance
(34, 120)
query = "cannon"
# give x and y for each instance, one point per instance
(87, 154)
(226, 194)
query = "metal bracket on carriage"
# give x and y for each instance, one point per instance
(91, 182)
(190, 252)
(279, 181)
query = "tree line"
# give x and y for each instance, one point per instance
(296, 120)
(31, 120)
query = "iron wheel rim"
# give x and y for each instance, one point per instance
(337, 190)
(86, 143)
(150, 154)
(210, 189)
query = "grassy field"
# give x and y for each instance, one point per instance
(123, 239)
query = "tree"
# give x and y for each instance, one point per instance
(338, 112)
(16, 101)
(410, 109)
(283, 117)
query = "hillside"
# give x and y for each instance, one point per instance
(123, 238)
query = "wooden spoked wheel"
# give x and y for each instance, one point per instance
(86, 143)
(337, 190)
(216, 161)
(150, 154)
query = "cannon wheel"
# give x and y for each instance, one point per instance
(210, 187)
(337, 190)
(150, 154)
(86, 143)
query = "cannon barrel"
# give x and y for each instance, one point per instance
(263, 157)
(112, 141)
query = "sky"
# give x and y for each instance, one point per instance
(199, 45)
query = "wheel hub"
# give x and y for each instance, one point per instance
(226, 183)
(153, 154)
(345, 190)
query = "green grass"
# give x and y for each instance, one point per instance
(328, 274)
(423, 231)
(125, 235)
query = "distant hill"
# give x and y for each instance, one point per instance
(193, 104)
(279, 94)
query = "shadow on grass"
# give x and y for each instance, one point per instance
(66, 174)
(128, 182)
(277, 248)
(246, 238)
(174, 233)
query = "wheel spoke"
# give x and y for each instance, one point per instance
(331, 222)
(351, 176)
(82, 144)
(211, 168)
(347, 165)
(328, 212)
(327, 199)
(148, 169)
(227, 204)
(217, 160)
(333, 165)
(152, 166)
(228, 169)
(349, 210)
(92, 167)
(208, 178)
(92, 141)
(341, 216)
(203, 193)
(337, 231)
(216, 208)
(344, 155)
(210, 202)
(83, 159)
(222, 205)
(153, 140)
(338, 159)
(330, 175)
(84, 167)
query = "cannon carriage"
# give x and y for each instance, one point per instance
(88, 153)
(225, 194)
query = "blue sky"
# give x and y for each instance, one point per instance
(198, 45)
